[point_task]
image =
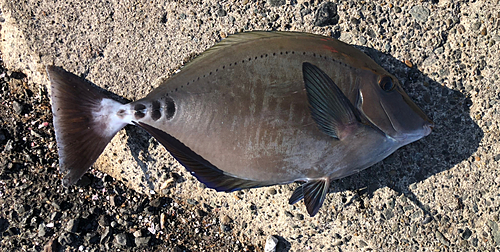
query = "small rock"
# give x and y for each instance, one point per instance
(138, 233)
(397, 9)
(466, 234)
(120, 239)
(114, 200)
(142, 241)
(271, 244)
(41, 230)
(226, 220)
(200, 213)
(221, 12)
(106, 235)
(420, 13)
(442, 239)
(475, 26)
(72, 225)
(65, 239)
(104, 221)
(362, 40)
(163, 220)
(55, 216)
(92, 238)
(494, 231)
(225, 228)
(271, 191)
(18, 107)
(326, 15)
(362, 243)
(277, 2)
(9, 146)
(51, 246)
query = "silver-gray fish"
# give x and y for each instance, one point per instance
(257, 109)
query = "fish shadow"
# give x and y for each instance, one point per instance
(455, 137)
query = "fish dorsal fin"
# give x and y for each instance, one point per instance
(330, 108)
(244, 37)
(203, 170)
(313, 192)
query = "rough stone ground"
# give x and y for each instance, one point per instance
(440, 193)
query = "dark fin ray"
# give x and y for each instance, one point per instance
(297, 195)
(81, 136)
(313, 192)
(203, 170)
(330, 108)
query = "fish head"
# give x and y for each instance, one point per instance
(382, 101)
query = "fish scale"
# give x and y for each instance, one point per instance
(257, 109)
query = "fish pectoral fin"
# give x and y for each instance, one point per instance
(330, 108)
(202, 169)
(313, 192)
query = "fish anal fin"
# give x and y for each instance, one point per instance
(330, 108)
(202, 169)
(313, 192)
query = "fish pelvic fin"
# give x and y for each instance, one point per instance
(85, 120)
(330, 108)
(202, 169)
(313, 192)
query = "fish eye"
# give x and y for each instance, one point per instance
(386, 83)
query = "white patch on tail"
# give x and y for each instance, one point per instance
(113, 116)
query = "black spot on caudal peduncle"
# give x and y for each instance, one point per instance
(139, 111)
(169, 108)
(156, 112)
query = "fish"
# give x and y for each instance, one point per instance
(257, 109)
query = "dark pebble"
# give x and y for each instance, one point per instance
(427, 219)
(221, 12)
(200, 213)
(277, 2)
(474, 242)
(84, 181)
(326, 15)
(225, 228)
(466, 234)
(120, 239)
(497, 157)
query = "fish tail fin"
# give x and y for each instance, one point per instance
(85, 120)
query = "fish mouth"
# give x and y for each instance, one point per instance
(428, 127)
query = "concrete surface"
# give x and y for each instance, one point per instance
(440, 193)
